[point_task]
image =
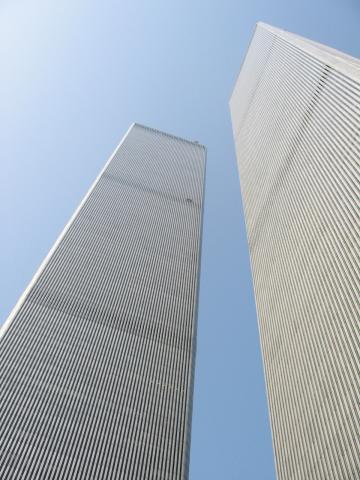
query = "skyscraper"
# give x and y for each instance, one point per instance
(97, 357)
(296, 122)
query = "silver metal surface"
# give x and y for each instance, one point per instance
(296, 121)
(97, 357)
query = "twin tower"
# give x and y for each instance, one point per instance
(97, 357)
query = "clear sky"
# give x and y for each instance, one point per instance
(74, 76)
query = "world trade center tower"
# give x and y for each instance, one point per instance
(97, 357)
(296, 121)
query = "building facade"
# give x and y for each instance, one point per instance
(296, 122)
(97, 357)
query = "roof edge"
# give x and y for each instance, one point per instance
(175, 137)
(340, 61)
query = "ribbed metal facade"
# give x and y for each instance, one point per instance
(296, 121)
(97, 358)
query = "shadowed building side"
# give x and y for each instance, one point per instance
(97, 357)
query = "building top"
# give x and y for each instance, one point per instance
(346, 64)
(194, 143)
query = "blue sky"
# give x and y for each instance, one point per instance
(74, 76)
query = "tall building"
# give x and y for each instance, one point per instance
(97, 357)
(296, 122)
